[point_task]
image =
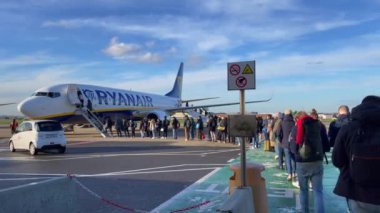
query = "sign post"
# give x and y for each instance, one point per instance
(242, 145)
(242, 76)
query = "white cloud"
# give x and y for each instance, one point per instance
(73, 23)
(352, 58)
(18, 85)
(217, 34)
(256, 27)
(194, 60)
(150, 57)
(332, 24)
(173, 50)
(130, 51)
(119, 49)
(371, 37)
(243, 8)
(213, 42)
(37, 58)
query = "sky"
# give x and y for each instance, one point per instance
(309, 54)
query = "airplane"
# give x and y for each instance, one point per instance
(64, 103)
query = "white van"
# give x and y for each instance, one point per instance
(37, 136)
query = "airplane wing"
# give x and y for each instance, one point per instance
(199, 99)
(6, 104)
(215, 105)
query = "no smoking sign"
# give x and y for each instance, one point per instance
(234, 69)
(241, 75)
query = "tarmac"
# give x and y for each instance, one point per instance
(162, 175)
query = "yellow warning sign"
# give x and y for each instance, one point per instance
(247, 69)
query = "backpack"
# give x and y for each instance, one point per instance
(311, 149)
(365, 157)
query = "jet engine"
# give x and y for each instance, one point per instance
(152, 114)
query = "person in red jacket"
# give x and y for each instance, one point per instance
(310, 168)
(13, 125)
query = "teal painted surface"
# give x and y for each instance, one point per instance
(209, 195)
(283, 196)
(206, 196)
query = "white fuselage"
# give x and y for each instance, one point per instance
(60, 102)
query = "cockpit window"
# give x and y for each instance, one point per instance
(41, 94)
(48, 94)
(54, 94)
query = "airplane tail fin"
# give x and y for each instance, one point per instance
(176, 92)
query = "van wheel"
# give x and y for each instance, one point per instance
(62, 150)
(32, 149)
(11, 147)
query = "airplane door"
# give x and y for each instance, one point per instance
(72, 94)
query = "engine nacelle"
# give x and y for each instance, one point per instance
(152, 114)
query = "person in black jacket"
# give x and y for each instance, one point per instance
(186, 127)
(343, 119)
(158, 127)
(365, 119)
(133, 126)
(199, 128)
(324, 137)
(125, 127)
(175, 126)
(165, 126)
(284, 131)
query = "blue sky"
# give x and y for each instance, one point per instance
(309, 54)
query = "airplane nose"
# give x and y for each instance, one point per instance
(25, 107)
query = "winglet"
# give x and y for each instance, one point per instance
(176, 92)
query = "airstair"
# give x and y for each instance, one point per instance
(94, 121)
(73, 94)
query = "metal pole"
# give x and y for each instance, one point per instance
(242, 145)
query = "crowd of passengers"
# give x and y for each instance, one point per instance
(354, 138)
(287, 134)
(213, 129)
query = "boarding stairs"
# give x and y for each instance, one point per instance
(94, 121)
